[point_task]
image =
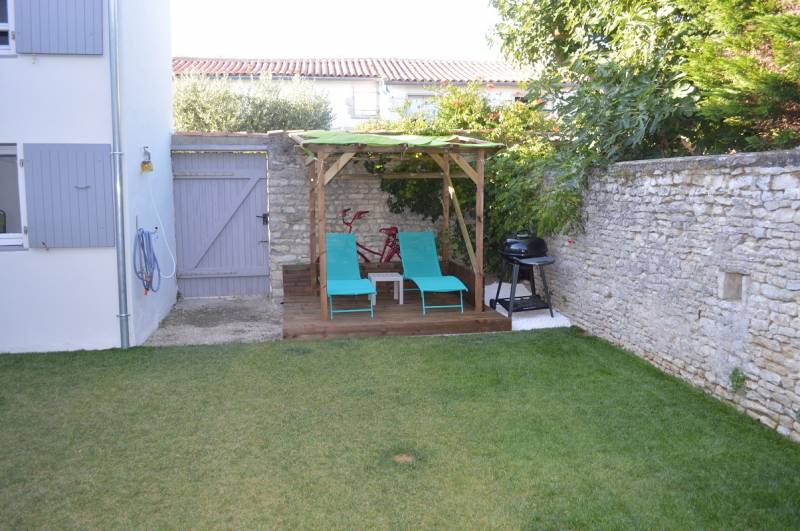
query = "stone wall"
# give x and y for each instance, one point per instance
(288, 200)
(694, 264)
(289, 222)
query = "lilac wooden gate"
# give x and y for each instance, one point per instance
(221, 219)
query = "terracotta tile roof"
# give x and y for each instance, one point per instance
(398, 70)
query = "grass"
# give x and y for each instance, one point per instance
(549, 429)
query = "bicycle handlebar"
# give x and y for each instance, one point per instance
(358, 215)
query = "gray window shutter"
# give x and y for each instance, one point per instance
(73, 27)
(68, 190)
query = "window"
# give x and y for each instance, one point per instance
(421, 104)
(365, 104)
(10, 203)
(6, 27)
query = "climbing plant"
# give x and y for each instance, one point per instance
(513, 177)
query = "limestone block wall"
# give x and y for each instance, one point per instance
(367, 195)
(694, 264)
(289, 221)
(288, 208)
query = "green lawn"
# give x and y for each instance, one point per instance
(536, 430)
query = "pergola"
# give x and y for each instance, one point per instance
(330, 152)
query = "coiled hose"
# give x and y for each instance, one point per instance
(145, 263)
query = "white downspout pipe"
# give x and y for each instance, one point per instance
(117, 171)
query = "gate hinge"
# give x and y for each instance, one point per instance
(21, 163)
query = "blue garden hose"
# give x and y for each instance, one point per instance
(145, 263)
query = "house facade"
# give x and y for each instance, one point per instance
(362, 90)
(66, 142)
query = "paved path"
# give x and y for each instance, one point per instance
(208, 321)
(531, 320)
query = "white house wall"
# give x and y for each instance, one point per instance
(390, 97)
(60, 299)
(146, 120)
(54, 98)
(340, 95)
(66, 299)
(395, 95)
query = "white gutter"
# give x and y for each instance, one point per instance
(117, 171)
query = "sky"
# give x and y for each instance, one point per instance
(418, 29)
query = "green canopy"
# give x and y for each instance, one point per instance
(343, 138)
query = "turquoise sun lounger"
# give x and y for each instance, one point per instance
(344, 277)
(421, 266)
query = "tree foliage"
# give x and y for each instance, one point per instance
(637, 78)
(744, 59)
(642, 78)
(513, 177)
(625, 80)
(220, 104)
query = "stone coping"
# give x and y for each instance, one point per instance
(782, 158)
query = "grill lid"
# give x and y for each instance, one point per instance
(524, 244)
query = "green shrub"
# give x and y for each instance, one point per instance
(205, 104)
(660, 77)
(514, 177)
(652, 78)
(738, 379)
(220, 104)
(744, 59)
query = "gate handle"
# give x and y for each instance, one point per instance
(264, 218)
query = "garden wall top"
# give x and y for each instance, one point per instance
(781, 158)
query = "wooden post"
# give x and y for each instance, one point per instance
(479, 279)
(312, 227)
(323, 270)
(445, 237)
(443, 163)
(462, 225)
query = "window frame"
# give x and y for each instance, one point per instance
(10, 48)
(426, 102)
(358, 113)
(16, 239)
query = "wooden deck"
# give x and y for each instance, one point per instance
(301, 314)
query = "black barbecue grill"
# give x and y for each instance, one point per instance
(523, 244)
(523, 251)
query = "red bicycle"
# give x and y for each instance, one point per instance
(391, 245)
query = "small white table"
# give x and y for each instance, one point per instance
(396, 278)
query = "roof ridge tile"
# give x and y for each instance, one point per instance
(425, 70)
